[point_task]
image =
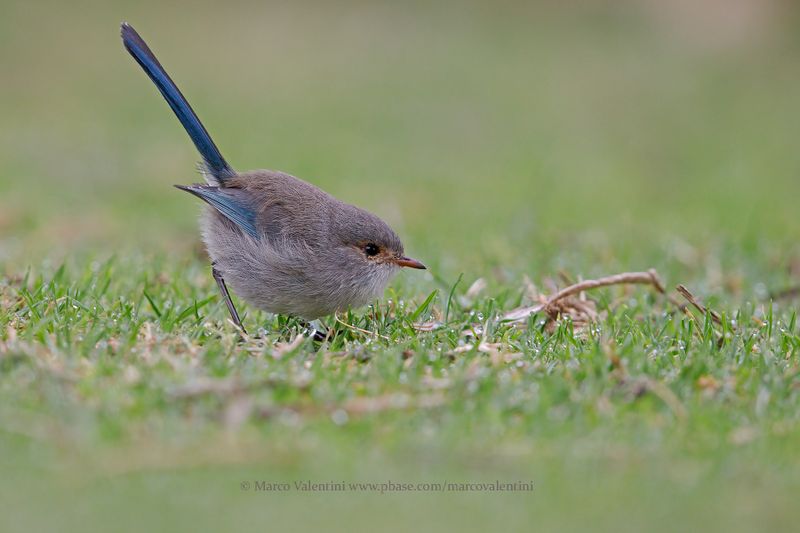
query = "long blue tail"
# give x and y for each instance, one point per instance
(214, 161)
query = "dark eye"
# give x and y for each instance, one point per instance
(371, 249)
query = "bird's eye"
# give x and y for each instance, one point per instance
(371, 249)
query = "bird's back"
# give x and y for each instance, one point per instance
(287, 208)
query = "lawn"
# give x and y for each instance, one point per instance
(516, 150)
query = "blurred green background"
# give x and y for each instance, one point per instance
(499, 139)
(479, 129)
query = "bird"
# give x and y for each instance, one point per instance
(283, 245)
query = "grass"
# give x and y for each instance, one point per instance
(126, 376)
(518, 147)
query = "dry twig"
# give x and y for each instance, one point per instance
(360, 330)
(698, 305)
(626, 278)
(582, 310)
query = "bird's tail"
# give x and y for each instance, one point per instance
(217, 167)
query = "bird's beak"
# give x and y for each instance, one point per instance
(408, 262)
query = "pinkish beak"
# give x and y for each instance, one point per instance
(408, 262)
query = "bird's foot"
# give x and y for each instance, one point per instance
(317, 330)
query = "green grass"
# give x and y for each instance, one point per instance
(511, 145)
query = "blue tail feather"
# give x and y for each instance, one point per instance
(225, 201)
(214, 161)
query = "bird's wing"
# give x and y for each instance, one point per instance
(228, 203)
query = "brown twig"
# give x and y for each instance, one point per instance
(562, 303)
(703, 309)
(698, 305)
(626, 278)
(360, 330)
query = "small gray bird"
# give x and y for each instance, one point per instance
(284, 245)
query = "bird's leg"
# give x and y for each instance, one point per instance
(227, 297)
(320, 331)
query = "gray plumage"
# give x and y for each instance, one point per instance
(308, 260)
(284, 245)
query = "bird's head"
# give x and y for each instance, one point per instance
(371, 243)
